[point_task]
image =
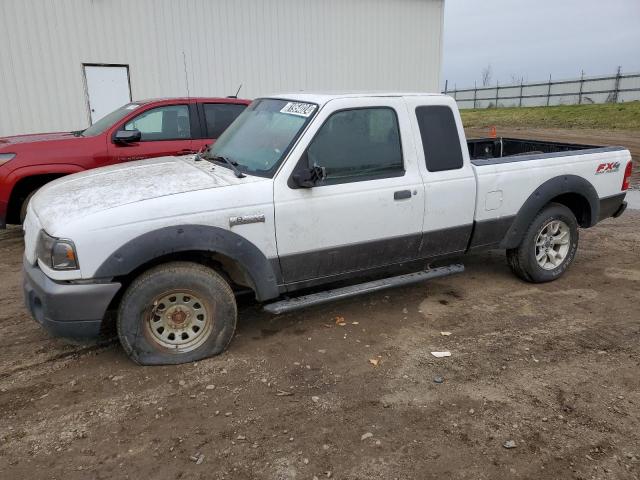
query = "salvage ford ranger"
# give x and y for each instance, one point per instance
(302, 191)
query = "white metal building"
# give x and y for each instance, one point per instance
(59, 59)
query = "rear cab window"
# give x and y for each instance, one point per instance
(440, 138)
(218, 116)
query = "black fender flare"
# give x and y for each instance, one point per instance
(183, 238)
(544, 194)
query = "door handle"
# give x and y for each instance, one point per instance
(186, 151)
(402, 194)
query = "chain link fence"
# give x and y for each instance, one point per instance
(584, 90)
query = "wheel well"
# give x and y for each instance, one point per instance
(231, 270)
(21, 191)
(579, 205)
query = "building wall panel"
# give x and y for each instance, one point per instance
(267, 46)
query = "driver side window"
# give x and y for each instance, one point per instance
(170, 122)
(357, 145)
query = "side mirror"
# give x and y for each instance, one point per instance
(309, 178)
(124, 137)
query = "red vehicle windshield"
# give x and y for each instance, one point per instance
(105, 122)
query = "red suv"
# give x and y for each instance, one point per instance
(145, 129)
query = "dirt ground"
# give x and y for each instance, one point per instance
(553, 367)
(625, 138)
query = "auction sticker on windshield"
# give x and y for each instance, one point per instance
(298, 108)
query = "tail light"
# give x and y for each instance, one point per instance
(626, 182)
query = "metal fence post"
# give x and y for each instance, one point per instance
(446, 84)
(581, 83)
(617, 87)
(497, 90)
(475, 93)
(549, 91)
(520, 102)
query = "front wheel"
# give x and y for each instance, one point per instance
(176, 313)
(548, 247)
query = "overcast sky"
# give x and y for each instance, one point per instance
(535, 38)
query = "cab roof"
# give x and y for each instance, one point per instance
(323, 97)
(191, 99)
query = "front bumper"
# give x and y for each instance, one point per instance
(66, 309)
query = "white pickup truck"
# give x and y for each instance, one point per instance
(302, 191)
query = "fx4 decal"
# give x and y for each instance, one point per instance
(608, 167)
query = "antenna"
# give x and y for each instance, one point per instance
(237, 92)
(186, 76)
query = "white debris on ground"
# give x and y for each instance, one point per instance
(441, 354)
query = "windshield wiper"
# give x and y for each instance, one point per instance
(232, 164)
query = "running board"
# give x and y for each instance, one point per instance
(296, 303)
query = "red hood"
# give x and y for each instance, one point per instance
(35, 137)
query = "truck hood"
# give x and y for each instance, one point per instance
(75, 196)
(36, 137)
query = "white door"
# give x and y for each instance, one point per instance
(369, 211)
(107, 89)
(450, 193)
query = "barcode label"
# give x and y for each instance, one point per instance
(298, 108)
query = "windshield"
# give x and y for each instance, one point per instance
(261, 136)
(108, 120)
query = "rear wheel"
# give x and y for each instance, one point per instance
(176, 313)
(548, 247)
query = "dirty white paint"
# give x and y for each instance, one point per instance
(106, 188)
(518, 180)
(266, 46)
(102, 209)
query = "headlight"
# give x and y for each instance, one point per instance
(57, 253)
(5, 157)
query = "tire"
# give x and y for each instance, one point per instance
(25, 204)
(176, 313)
(545, 253)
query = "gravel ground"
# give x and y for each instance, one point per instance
(348, 390)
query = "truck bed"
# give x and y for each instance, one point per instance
(489, 151)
